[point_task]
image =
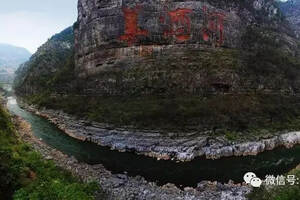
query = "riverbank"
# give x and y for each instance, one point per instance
(120, 186)
(24, 174)
(171, 146)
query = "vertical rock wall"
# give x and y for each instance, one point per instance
(160, 46)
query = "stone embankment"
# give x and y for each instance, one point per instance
(123, 187)
(165, 146)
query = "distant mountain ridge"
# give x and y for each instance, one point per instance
(10, 59)
(12, 56)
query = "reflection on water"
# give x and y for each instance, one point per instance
(274, 162)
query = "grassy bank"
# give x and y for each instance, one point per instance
(24, 175)
(223, 114)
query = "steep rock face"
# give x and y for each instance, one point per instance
(182, 47)
(166, 58)
(46, 65)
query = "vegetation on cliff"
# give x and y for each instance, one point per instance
(251, 113)
(25, 175)
(47, 67)
(219, 113)
(237, 92)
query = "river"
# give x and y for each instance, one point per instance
(274, 162)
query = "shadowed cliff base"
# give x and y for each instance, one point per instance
(233, 115)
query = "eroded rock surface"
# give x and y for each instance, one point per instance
(154, 47)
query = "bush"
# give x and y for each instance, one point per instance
(25, 175)
(233, 113)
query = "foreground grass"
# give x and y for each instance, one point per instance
(24, 175)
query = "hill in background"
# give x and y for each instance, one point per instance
(10, 59)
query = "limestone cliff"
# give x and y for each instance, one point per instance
(181, 47)
(179, 65)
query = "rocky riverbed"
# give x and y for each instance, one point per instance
(166, 146)
(123, 187)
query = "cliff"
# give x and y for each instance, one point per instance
(223, 66)
(182, 47)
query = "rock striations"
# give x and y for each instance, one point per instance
(147, 47)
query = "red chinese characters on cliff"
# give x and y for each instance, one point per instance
(180, 24)
(131, 26)
(213, 29)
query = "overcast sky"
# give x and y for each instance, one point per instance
(29, 23)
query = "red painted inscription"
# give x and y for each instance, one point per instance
(180, 24)
(131, 28)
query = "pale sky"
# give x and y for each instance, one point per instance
(29, 23)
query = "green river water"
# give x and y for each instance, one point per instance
(274, 162)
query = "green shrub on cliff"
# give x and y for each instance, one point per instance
(246, 113)
(25, 175)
